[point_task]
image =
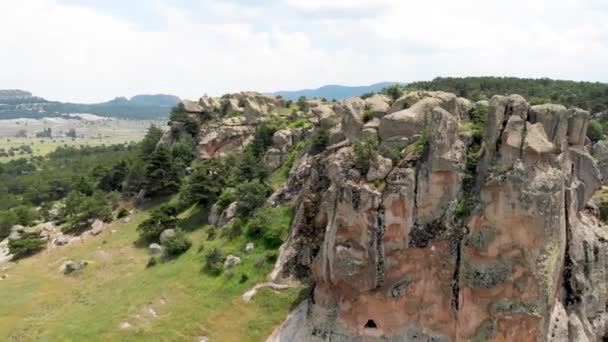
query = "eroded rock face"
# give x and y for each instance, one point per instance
(463, 240)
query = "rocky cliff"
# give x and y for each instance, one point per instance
(470, 221)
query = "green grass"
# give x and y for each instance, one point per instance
(39, 303)
(42, 147)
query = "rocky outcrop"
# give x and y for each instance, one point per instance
(463, 239)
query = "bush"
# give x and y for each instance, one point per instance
(213, 262)
(160, 219)
(271, 225)
(595, 132)
(177, 245)
(604, 211)
(122, 213)
(320, 140)
(366, 153)
(227, 197)
(368, 115)
(28, 245)
(251, 195)
(151, 262)
(393, 91)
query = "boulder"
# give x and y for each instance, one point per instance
(72, 266)
(379, 169)
(274, 158)
(167, 235)
(230, 105)
(249, 248)
(155, 248)
(351, 111)
(97, 227)
(554, 119)
(62, 240)
(209, 104)
(218, 141)
(220, 217)
(231, 261)
(324, 115)
(578, 120)
(405, 123)
(283, 140)
(191, 106)
(379, 104)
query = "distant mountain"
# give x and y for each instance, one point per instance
(22, 104)
(147, 100)
(332, 91)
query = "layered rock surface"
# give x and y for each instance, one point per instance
(464, 237)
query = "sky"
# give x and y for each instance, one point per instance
(95, 50)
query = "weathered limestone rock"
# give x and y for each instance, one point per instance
(578, 120)
(72, 266)
(463, 241)
(191, 106)
(380, 169)
(325, 115)
(274, 158)
(379, 104)
(231, 261)
(217, 141)
(220, 217)
(155, 249)
(351, 111)
(554, 119)
(600, 152)
(97, 227)
(167, 235)
(283, 140)
(209, 104)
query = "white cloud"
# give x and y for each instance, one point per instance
(80, 54)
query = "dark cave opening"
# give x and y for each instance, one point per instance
(371, 324)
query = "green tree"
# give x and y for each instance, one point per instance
(151, 139)
(162, 175)
(595, 132)
(366, 153)
(251, 195)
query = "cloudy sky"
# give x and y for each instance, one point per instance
(94, 50)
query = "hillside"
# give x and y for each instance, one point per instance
(175, 301)
(587, 95)
(329, 92)
(402, 216)
(16, 104)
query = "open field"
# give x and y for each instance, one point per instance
(89, 132)
(172, 301)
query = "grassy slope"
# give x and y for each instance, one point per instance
(38, 302)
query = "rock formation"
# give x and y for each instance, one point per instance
(466, 236)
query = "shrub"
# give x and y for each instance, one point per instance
(213, 262)
(251, 195)
(26, 246)
(595, 132)
(177, 245)
(271, 225)
(151, 262)
(227, 197)
(320, 140)
(160, 219)
(394, 91)
(604, 211)
(368, 115)
(366, 152)
(122, 213)
(244, 278)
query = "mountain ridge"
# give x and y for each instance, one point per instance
(333, 91)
